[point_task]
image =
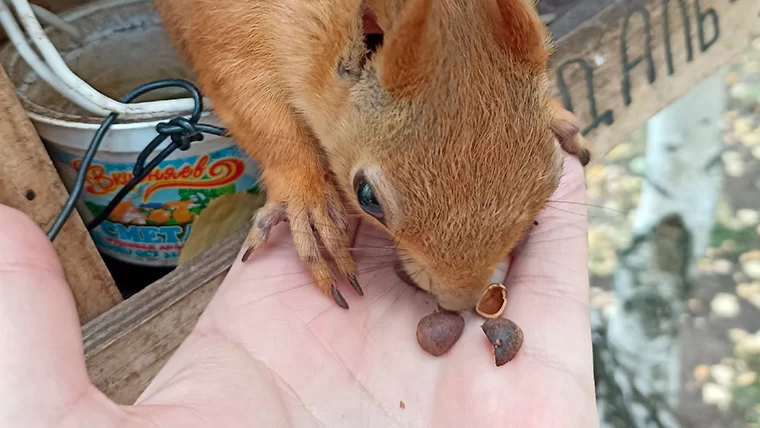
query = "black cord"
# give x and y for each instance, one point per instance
(182, 131)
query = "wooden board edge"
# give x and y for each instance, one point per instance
(31, 184)
(124, 368)
(621, 67)
(162, 294)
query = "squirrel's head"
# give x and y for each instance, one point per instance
(446, 138)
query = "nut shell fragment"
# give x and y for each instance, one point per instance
(505, 336)
(439, 331)
(492, 302)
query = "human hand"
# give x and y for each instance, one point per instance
(271, 351)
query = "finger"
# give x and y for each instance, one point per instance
(42, 360)
(548, 281)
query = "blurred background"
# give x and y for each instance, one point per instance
(675, 261)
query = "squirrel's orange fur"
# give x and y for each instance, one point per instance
(450, 121)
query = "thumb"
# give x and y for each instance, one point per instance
(549, 284)
(43, 377)
(42, 368)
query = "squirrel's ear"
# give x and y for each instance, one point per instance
(369, 22)
(409, 49)
(522, 34)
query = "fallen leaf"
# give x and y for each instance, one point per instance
(701, 373)
(725, 305)
(716, 395)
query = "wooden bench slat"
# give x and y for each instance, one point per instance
(125, 347)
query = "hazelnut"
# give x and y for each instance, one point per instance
(439, 331)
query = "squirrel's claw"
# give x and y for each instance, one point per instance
(264, 220)
(339, 299)
(355, 284)
(323, 218)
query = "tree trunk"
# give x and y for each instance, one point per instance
(637, 354)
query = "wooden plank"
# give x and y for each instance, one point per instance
(29, 182)
(127, 346)
(636, 59)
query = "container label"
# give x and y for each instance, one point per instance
(151, 224)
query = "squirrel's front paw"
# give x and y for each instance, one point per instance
(310, 217)
(566, 129)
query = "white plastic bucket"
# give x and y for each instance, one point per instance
(125, 46)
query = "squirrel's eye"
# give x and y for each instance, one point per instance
(366, 197)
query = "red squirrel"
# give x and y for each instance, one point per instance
(444, 134)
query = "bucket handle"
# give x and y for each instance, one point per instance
(53, 69)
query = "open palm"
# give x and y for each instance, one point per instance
(270, 351)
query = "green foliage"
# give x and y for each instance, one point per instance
(746, 398)
(745, 238)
